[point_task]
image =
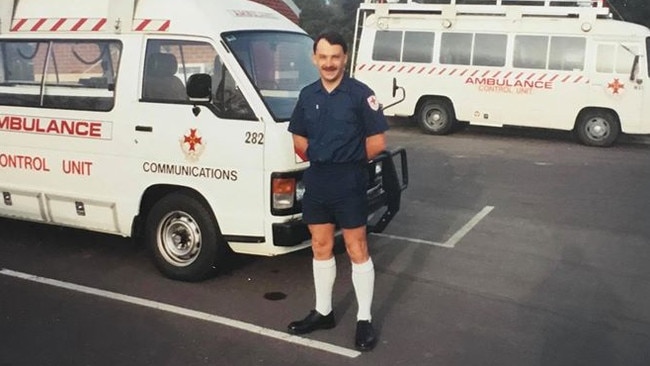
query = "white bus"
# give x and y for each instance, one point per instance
(556, 64)
(164, 120)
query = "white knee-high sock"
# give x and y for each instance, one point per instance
(363, 279)
(324, 276)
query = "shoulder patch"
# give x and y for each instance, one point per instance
(372, 102)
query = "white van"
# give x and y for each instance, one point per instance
(98, 130)
(560, 64)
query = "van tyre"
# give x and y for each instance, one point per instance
(183, 238)
(436, 117)
(597, 128)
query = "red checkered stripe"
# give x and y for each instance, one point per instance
(83, 25)
(432, 71)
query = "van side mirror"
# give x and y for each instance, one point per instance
(199, 86)
(395, 87)
(635, 68)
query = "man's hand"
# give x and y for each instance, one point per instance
(300, 144)
(375, 144)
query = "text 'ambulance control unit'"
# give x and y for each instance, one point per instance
(559, 64)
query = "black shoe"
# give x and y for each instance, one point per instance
(365, 339)
(312, 322)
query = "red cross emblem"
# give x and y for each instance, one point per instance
(192, 139)
(616, 86)
(372, 102)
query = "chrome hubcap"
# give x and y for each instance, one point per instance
(179, 238)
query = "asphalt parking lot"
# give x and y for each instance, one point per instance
(512, 247)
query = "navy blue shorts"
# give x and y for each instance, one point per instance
(336, 193)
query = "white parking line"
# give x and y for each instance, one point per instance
(454, 239)
(327, 347)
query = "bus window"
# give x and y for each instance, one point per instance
(418, 47)
(530, 52)
(387, 46)
(456, 48)
(567, 53)
(489, 50)
(606, 54)
(615, 58)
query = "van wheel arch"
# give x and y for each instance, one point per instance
(595, 126)
(435, 115)
(181, 233)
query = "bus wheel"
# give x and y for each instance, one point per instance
(183, 238)
(435, 117)
(597, 128)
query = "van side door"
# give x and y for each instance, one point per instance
(215, 149)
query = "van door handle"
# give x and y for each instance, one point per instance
(144, 128)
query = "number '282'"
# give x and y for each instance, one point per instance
(255, 138)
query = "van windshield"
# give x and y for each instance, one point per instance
(277, 63)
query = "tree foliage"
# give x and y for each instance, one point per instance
(636, 11)
(316, 16)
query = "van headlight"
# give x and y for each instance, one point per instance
(287, 192)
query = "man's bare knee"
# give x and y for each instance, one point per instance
(356, 244)
(322, 241)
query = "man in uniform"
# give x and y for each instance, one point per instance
(338, 125)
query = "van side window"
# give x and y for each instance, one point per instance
(62, 74)
(615, 58)
(530, 52)
(227, 98)
(456, 48)
(164, 70)
(387, 46)
(489, 49)
(567, 53)
(418, 47)
(160, 80)
(625, 58)
(605, 58)
(170, 63)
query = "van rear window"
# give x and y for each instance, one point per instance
(61, 74)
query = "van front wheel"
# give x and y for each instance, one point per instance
(597, 128)
(183, 238)
(435, 117)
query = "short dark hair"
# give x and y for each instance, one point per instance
(333, 38)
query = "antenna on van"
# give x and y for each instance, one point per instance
(121, 14)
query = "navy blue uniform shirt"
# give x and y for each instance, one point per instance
(337, 124)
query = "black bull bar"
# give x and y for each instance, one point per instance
(394, 179)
